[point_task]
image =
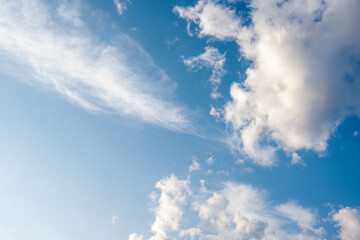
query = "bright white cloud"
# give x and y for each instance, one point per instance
(53, 49)
(237, 211)
(168, 213)
(195, 165)
(304, 76)
(348, 220)
(211, 59)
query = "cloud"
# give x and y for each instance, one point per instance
(348, 220)
(121, 5)
(69, 12)
(169, 210)
(135, 236)
(195, 164)
(210, 59)
(235, 211)
(303, 77)
(304, 218)
(55, 50)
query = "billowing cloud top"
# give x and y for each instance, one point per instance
(53, 48)
(303, 78)
(237, 211)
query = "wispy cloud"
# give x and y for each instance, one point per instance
(121, 5)
(55, 49)
(304, 77)
(195, 165)
(210, 59)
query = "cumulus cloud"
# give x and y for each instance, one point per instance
(236, 211)
(348, 220)
(53, 48)
(303, 78)
(169, 211)
(210, 59)
(195, 165)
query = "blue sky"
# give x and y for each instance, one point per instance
(207, 119)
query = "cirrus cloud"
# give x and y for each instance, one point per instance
(53, 47)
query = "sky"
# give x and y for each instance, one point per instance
(180, 119)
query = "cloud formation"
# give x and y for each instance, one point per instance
(303, 78)
(210, 59)
(348, 220)
(236, 211)
(51, 46)
(169, 211)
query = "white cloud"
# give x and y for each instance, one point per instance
(121, 5)
(169, 211)
(135, 236)
(237, 211)
(217, 113)
(304, 76)
(195, 165)
(42, 46)
(211, 59)
(303, 217)
(355, 133)
(220, 22)
(348, 220)
(296, 159)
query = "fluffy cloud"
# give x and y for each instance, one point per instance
(348, 219)
(237, 211)
(169, 211)
(52, 48)
(303, 79)
(211, 59)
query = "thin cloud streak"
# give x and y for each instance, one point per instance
(49, 49)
